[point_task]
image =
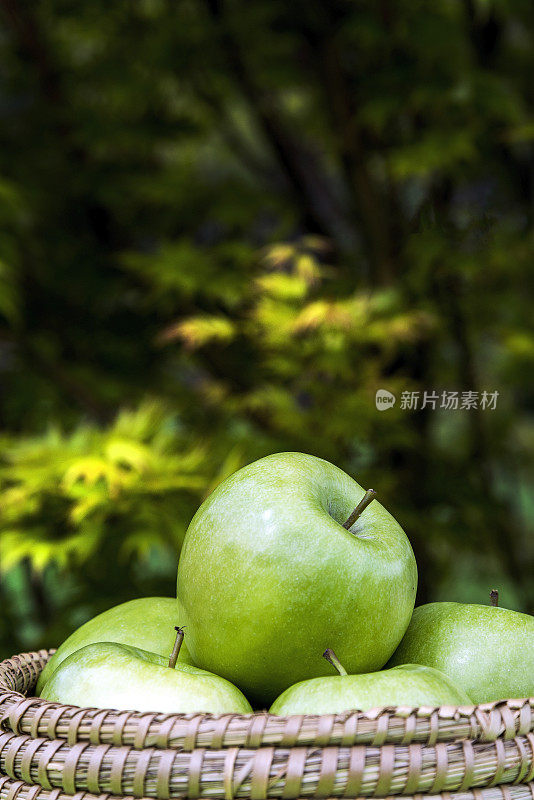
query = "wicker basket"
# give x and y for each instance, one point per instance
(54, 752)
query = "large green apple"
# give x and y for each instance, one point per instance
(488, 651)
(268, 576)
(147, 622)
(111, 675)
(407, 685)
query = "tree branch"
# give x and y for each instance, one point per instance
(370, 203)
(301, 166)
(502, 525)
(484, 30)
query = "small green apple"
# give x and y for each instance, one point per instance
(274, 567)
(489, 651)
(406, 685)
(111, 675)
(147, 622)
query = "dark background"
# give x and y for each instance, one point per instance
(224, 225)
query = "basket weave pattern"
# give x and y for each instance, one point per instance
(53, 752)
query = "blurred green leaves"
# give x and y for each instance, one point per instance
(260, 214)
(61, 495)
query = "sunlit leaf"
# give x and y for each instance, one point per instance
(198, 331)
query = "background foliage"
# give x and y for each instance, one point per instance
(223, 226)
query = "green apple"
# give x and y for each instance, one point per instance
(111, 675)
(407, 685)
(147, 622)
(489, 651)
(269, 576)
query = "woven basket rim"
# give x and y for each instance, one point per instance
(446, 753)
(11, 789)
(485, 722)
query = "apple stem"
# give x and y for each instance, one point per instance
(494, 598)
(176, 649)
(334, 660)
(368, 497)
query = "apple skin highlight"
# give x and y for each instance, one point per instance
(407, 685)
(290, 580)
(488, 651)
(111, 675)
(146, 622)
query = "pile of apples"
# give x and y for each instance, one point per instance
(290, 571)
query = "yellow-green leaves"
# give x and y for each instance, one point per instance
(196, 332)
(59, 493)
